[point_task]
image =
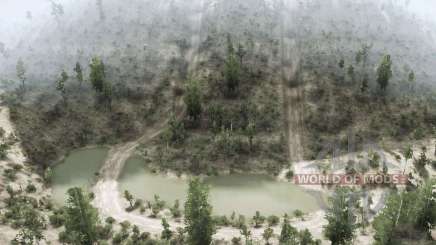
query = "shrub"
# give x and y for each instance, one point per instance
(350, 168)
(374, 161)
(298, 213)
(289, 174)
(157, 206)
(4, 150)
(57, 219)
(110, 220)
(63, 237)
(16, 167)
(104, 232)
(236, 240)
(239, 222)
(433, 164)
(221, 220)
(48, 175)
(10, 174)
(258, 220)
(273, 220)
(175, 210)
(30, 188)
(125, 225)
(120, 237)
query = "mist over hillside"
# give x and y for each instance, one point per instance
(125, 33)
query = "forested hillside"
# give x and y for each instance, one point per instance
(237, 58)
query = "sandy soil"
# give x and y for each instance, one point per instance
(15, 155)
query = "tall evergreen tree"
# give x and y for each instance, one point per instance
(21, 73)
(384, 72)
(192, 100)
(231, 70)
(81, 218)
(198, 214)
(79, 73)
(288, 235)
(97, 74)
(341, 220)
(166, 233)
(426, 218)
(60, 85)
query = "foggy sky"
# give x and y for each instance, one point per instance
(13, 14)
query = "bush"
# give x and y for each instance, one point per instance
(120, 237)
(258, 220)
(433, 164)
(110, 220)
(16, 167)
(221, 220)
(236, 240)
(157, 206)
(10, 174)
(63, 237)
(374, 161)
(48, 175)
(289, 174)
(350, 168)
(4, 150)
(273, 220)
(239, 222)
(298, 213)
(175, 210)
(57, 219)
(104, 232)
(30, 188)
(125, 225)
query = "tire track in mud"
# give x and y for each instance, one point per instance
(291, 92)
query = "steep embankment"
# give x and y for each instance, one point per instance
(23, 176)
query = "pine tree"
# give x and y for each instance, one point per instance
(60, 85)
(81, 218)
(288, 235)
(21, 73)
(79, 73)
(129, 198)
(198, 214)
(341, 220)
(426, 218)
(231, 70)
(192, 100)
(384, 72)
(166, 232)
(97, 74)
(267, 234)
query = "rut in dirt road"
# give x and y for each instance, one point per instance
(291, 92)
(293, 114)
